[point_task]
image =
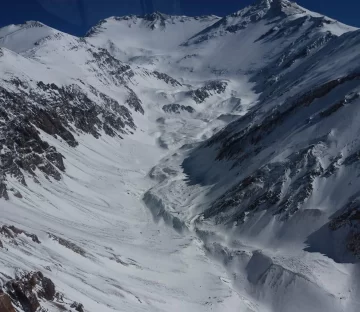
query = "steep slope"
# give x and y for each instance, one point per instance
(238, 133)
(63, 85)
(78, 135)
(146, 38)
(279, 32)
(290, 149)
(20, 38)
(283, 178)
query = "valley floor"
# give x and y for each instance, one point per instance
(130, 263)
(106, 240)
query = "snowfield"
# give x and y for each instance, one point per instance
(130, 263)
(173, 163)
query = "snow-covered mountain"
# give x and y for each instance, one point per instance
(146, 40)
(181, 163)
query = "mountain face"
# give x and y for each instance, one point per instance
(181, 163)
(145, 37)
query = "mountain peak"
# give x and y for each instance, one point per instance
(22, 37)
(271, 8)
(155, 20)
(269, 3)
(278, 5)
(155, 16)
(265, 3)
(34, 24)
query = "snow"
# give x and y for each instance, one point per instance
(136, 32)
(98, 205)
(20, 38)
(135, 205)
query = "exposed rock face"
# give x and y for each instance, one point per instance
(18, 231)
(59, 112)
(28, 292)
(68, 244)
(277, 179)
(113, 69)
(134, 102)
(23, 291)
(5, 303)
(64, 110)
(166, 78)
(210, 88)
(177, 108)
(254, 133)
(48, 289)
(282, 187)
(304, 46)
(11, 233)
(349, 220)
(77, 306)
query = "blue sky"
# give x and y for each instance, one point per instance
(76, 16)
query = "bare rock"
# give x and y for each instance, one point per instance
(176, 108)
(210, 88)
(18, 194)
(77, 306)
(70, 245)
(18, 231)
(4, 230)
(22, 292)
(49, 288)
(5, 303)
(12, 232)
(26, 289)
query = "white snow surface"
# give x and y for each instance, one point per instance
(131, 263)
(128, 203)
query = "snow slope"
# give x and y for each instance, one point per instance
(153, 31)
(182, 163)
(130, 263)
(146, 39)
(20, 38)
(281, 179)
